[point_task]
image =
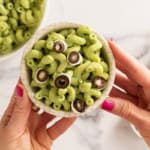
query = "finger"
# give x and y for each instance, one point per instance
(131, 66)
(36, 120)
(125, 71)
(45, 118)
(120, 94)
(37, 126)
(125, 83)
(40, 129)
(21, 111)
(7, 114)
(60, 127)
(126, 110)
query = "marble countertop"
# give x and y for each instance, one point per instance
(129, 25)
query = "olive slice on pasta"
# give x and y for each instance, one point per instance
(60, 46)
(74, 58)
(41, 75)
(62, 81)
(78, 106)
(99, 82)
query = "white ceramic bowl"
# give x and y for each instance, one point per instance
(25, 75)
(135, 131)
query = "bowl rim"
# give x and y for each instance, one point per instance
(25, 77)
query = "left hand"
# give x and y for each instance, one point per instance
(23, 129)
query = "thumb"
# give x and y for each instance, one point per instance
(126, 110)
(21, 111)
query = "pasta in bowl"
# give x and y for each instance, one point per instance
(67, 70)
(19, 20)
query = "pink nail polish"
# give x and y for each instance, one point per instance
(19, 91)
(108, 105)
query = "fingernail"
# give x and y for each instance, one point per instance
(108, 105)
(19, 91)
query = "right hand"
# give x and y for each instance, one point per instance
(133, 103)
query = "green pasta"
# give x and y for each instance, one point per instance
(34, 84)
(19, 18)
(80, 70)
(25, 4)
(85, 87)
(90, 51)
(29, 17)
(52, 68)
(74, 39)
(14, 23)
(66, 68)
(46, 60)
(14, 14)
(66, 106)
(3, 10)
(64, 33)
(32, 58)
(41, 44)
(95, 69)
(89, 100)
(61, 58)
(3, 26)
(55, 98)
(84, 30)
(56, 106)
(9, 6)
(49, 44)
(1, 1)
(42, 94)
(20, 35)
(74, 48)
(55, 36)
(3, 18)
(71, 94)
(71, 31)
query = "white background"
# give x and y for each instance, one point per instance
(110, 16)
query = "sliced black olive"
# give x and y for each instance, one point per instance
(78, 106)
(42, 75)
(62, 81)
(74, 58)
(99, 83)
(59, 46)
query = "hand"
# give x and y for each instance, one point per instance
(22, 129)
(132, 99)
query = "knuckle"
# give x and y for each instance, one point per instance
(18, 108)
(126, 110)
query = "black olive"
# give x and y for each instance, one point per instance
(74, 58)
(42, 75)
(78, 106)
(59, 46)
(99, 82)
(62, 81)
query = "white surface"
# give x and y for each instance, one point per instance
(129, 23)
(110, 16)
